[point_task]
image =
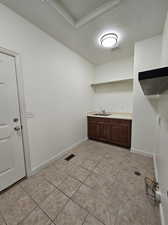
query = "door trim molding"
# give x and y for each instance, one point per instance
(22, 107)
(162, 218)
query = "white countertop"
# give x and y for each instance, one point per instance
(114, 115)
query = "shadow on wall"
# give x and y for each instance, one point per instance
(163, 106)
(116, 97)
(116, 88)
(154, 103)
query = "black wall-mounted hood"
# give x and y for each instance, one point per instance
(155, 81)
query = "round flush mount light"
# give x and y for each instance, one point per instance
(109, 40)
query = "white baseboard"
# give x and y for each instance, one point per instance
(55, 157)
(162, 215)
(141, 152)
(155, 167)
(157, 179)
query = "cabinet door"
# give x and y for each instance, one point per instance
(113, 133)
(125, 134)
(119, 133)
(102, 131)
(96, 131)
(93, 130)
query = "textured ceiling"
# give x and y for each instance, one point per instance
(132, 20)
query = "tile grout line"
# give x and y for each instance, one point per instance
(63, 207)
(27, 215)
(32, 197)
(3, 218)
(69, 198)
(91, 170)
(28, 212)
(89, 213)
(82, 183)
(37, 206)
(85, 218)
(62, 193)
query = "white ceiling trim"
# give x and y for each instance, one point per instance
(63, 12)
(99, 11)
(83, 21)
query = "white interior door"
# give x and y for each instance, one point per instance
(12, 166)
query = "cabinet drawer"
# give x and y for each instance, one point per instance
(95, 120)
(117, 121)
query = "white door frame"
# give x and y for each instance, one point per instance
(22, 107)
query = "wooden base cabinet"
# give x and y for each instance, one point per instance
(114, 131)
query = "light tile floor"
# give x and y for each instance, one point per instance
(97, 187)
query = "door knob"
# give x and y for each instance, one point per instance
(17, 128)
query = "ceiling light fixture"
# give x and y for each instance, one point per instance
(109, 40)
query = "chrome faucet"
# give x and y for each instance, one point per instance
(104, 111)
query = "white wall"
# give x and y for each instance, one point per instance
(162, 152)
(116, 97)
(115, 70)
(147, 56)
(57, 87)
(164, 58)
